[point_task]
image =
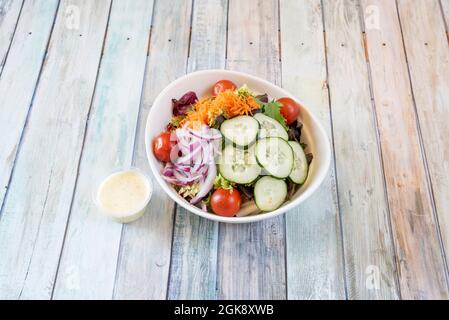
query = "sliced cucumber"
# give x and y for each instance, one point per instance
(238, 165)
(276, 156)
(240, 130)
(270, 193)
(270, 127)
(300, 166)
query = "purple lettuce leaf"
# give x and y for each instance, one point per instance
(184, 104)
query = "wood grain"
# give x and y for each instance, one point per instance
(193, 270)
(428, 57)
(421, 268)
(9, 16)
(251, 262)
(18, 79)
(78, 77)
(445, 8)
(144, 258)
(368, 246)
(313, 239)
(108, 147)
(208, 38)
(37, 207)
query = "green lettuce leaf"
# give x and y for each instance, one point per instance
(273, 110)
(221, 182)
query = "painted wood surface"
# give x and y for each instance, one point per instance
(209, 35)
(9, 16)
(445, 11)
(251, 256)
(313, 227)
(143, 269)
(193, 271)
(16, 92)
(428, 58)
(421, 268)
(36, 210)
(368, 247)
(78, 77)
(108, 146)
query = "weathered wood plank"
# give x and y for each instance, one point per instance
(208, 38)
(194, 257)
(19, 78)
(144, 259)
(251, 262)
(193, 270)
(420, 265)
(445, 7)
(92, 241)
(428, 58)
(37, 207)
(9, 16)
(368, 246)
(314, 248)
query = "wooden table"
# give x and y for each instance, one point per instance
(78, 77)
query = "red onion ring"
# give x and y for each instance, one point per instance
(197, 161)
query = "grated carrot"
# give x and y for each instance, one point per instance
(206, 110)
(235, 105)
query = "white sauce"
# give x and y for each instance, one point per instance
(124, 195)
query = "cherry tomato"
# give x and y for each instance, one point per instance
(222, 86)
(225, 202)
(290, 109)
(162, 146)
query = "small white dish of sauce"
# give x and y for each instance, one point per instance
(124, 195)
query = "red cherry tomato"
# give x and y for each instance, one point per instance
(222, 86)
(290, 109)
(225, 202)
(162, 146)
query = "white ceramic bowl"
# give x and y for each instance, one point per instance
(201, 82)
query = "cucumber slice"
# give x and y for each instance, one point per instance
(270, 127)
(300, 166)
(270, 193)
(276, 156)
(238, 165)
(240, 130)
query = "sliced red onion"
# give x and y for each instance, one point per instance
(214, 135)
(207, 185)
(187, 159)
(198, 161)
(202, 170)
(185, 169)
(196, 164)
(168, 170)
(186, 179)
(207, 154)
(173, 181)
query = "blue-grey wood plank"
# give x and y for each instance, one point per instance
(144, 258)
(369, 249)
(9, 17)
(36, 209)
(313, 235)
(92, 241)
(19, 78)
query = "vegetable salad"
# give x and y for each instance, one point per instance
(235, 152)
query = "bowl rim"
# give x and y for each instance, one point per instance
(247, 219)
